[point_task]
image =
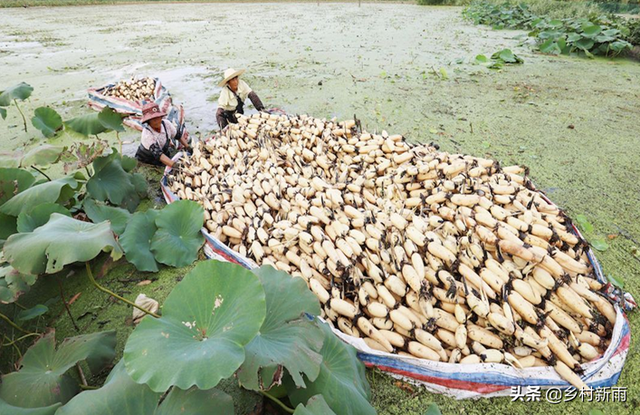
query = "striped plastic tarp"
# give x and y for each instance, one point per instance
(456, 380)
(175, 113)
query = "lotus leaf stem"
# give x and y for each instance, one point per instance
(278, 401)
(14, 325)
(21, 338)
(111, 293)
(24, 120)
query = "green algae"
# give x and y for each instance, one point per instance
(573, 121)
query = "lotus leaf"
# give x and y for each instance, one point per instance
(42, 155)
(55, 191)
(287, 337)
(196, 402)
(43, 372)
(5, 408)
(178, 238)
(13, 284)
(99, 212)
(21, 91)
(33, 312)
(14, 181)
(136, 240)
(316, 406)
(61, 241)
(86, 125)
(341, 381)
(110, 119)
(38, 216)
(119, 395)
(110, 181)
(206, 321)
(47, 120)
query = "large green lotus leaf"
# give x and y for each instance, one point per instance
(287, 337)
(14, 181)
(7, 409)
(86, 125)
(119, 395)
(206, 321)
(21, 91)
(38, 216)
(129, 163)
(178, 238)
(110, 182)
(316, 406)
(63, 240)
(13, 284)
(99, 212)
(8, 226)
(47, 120)
(54, 191)
(111, 119)
(136, 240)
(341, 381)
(42, 155)
(196, 402)
(42, 380)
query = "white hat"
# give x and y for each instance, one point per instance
(229, 74)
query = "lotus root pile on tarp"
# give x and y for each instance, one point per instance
(412, 252)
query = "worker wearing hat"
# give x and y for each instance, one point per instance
(157, 134)
(234, 93)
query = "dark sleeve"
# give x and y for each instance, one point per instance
(221, 119)
(256, 101)
(156, 151)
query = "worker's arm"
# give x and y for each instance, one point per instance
(221, 119)
(255, 100)
(166, 160)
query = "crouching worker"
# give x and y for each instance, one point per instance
(157, 134)
(232, 97)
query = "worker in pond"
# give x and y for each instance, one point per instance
(232, 97)
(157, 134)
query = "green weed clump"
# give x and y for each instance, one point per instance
(595, 34)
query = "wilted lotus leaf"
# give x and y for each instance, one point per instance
(61, 241)
(47, 120)
(287, 337)
(14, 284)
(81, 154)
(342, 381)
(316, 406)
(206, 321)
(38, 216)
(42, 380)
(178, 238)
(21, 91)
(55, 191)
